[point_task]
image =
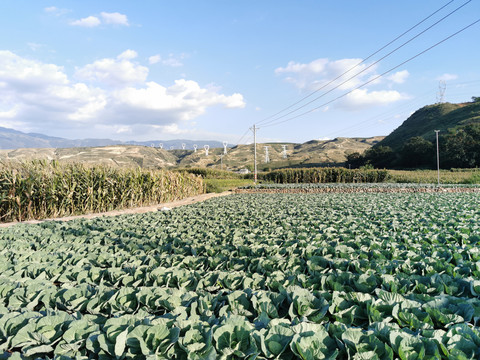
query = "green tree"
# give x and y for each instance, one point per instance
(417, 152)
(380, 156)
(355, 160)
(461, 147)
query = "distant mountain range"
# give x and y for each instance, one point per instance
(13, 139)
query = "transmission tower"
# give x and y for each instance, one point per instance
(442, 86)
(195, 146)
(284, 153)
(267, 158)
(254, 129)
(206, 147)
(184, 146)
(225, 147)
(221, 161)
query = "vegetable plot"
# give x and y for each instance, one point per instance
(356, 188)
(284, 276)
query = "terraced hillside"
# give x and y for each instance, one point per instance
(315, 152)
(114, 155)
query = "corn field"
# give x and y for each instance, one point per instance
(325, 175)
(42, 189)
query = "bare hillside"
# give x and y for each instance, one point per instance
(315, 152)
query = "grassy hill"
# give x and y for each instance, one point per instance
(423, 122)
(312, 153)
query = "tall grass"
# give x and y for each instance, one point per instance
(42, 189)
(342, 175)
(454, 176)
(325, 175)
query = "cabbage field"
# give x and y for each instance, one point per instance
(250, 276)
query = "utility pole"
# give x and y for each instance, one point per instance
(254, 129)
(438, 159)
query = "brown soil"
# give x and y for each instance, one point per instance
(139, 210)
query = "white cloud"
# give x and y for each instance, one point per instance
(9, 114)
(185, 100)
(128, 55)
(361, 98)
(53, 10)
(321, 72)
(34, 46)
(114, 72)
(40, 96)
(171, 60)
(93, 21)
(36, 91)
(115, 18)
(87, 102)
(399, 77)
(447, 77)
(154, 59)
(123, 130)
(90, 21)
(165, 132)
(172, 129)
(342, 76)
(29, 75)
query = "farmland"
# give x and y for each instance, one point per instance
(356, 188)
(361, 276)
(41, 189)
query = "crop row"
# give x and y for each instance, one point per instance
(250, 276)
(325, 175)
(357, 188)
(41, 189)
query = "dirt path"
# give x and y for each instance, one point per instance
(139, 210)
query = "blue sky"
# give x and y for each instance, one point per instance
(202, 70)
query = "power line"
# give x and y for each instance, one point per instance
(411, 104)
(368, 67)
(377, 77)
(396, 109)
(361, 62)
(242, 137)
